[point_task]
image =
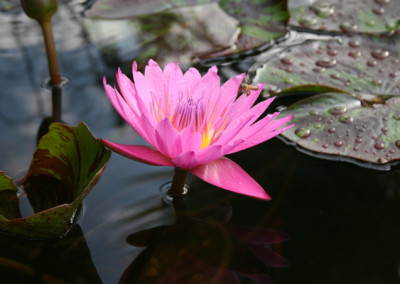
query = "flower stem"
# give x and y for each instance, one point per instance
(53, 69)
(51, 52)
(178, 182)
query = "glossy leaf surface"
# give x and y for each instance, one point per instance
(350, 16)
(338, 124)
(358, 65)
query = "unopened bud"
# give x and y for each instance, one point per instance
(40, 10)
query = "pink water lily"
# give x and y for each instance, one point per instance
(191, 122)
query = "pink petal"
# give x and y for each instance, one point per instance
(269, 131)
(228, 93)
(186, 160)
(240, 128)
(142, 88)
(124, 110)
(208, 87)
(140, 153)
(189, 160)
(174, 83)
(264, 125)
(244, 102)
(228, 175)
(155, 78)
(257, 110)
(134, 67)
(128, 91)
(191, 78)
(191, 140)
(165, 134)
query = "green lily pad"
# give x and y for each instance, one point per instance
(368, 16)
(182, 31)
(359, 65)
(67, 163)
(339, 124)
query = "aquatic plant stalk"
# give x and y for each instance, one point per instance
(51, 52)
(53, 69)
(178, 182)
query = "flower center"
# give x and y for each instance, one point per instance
(190, 113)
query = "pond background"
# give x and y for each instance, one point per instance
(343, 221)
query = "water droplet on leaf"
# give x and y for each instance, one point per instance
(379, 10)
(346, 119)
(308, 21)
(326, 62)
(338, 143)
(337, 110)
(348, 27)
(382, 161)
(323, 10)
(380, 54)
(302, 132)
(287, 61)
(354, 43)
(355, 54)
(377, 82)
(332, 52)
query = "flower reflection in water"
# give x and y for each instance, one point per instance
(203, 248)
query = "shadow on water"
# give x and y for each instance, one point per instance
(343, 221)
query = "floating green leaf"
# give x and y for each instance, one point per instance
(359, 65)
(338, 124)
(67, 163)
(368, 16)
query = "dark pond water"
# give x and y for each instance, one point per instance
(342, 221)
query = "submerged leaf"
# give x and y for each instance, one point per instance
(186, 31)
(338, 124)
(119, 9)
(369, 16)
(67, 163)
(358, 65)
